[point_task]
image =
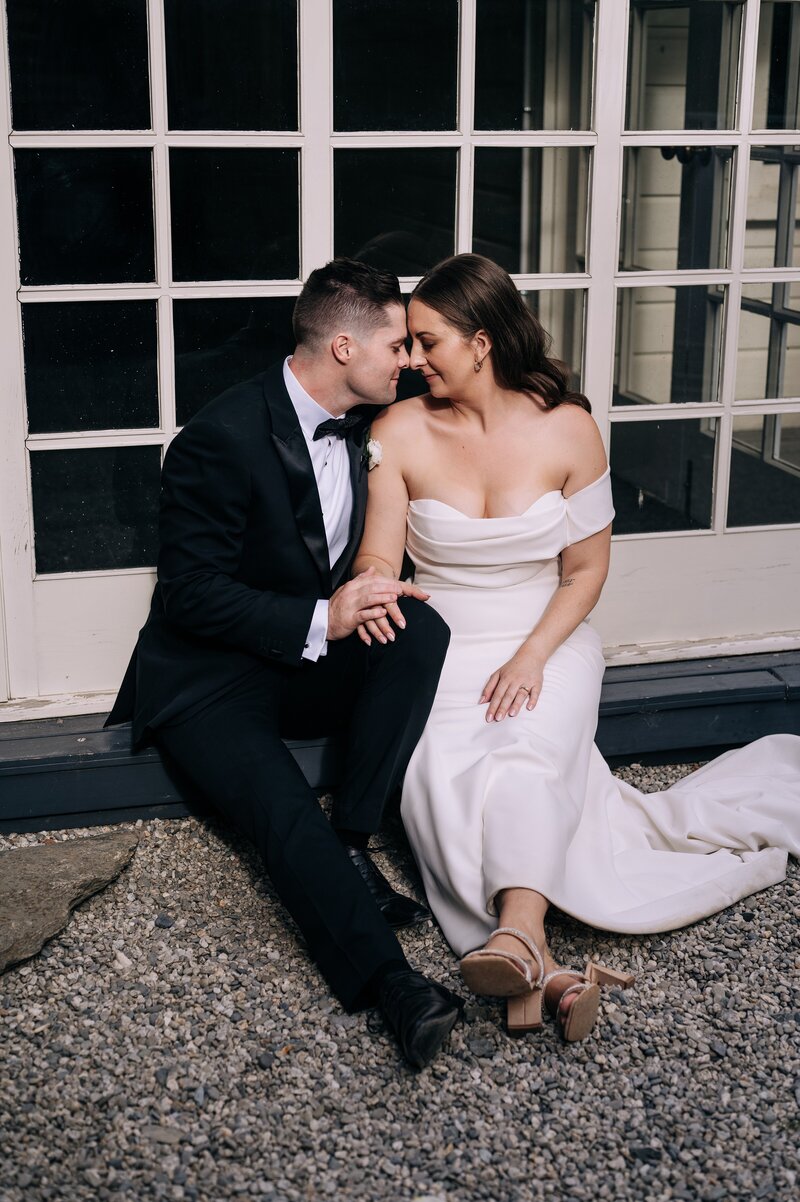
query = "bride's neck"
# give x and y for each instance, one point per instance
(486, 405)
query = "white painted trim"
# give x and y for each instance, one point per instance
(315, 61)
(30, 708)
(655, 653)
(16, 536)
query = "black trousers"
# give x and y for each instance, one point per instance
(379, 699)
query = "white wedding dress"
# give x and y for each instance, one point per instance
(529, 801)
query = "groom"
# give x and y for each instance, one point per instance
(251, 638)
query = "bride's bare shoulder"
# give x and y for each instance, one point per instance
(407, 417)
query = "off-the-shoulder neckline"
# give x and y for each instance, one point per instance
(554, 492)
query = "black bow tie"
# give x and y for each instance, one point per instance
(337, 427)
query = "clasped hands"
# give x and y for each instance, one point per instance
(368, 604)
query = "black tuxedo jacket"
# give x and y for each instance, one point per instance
(243, 556)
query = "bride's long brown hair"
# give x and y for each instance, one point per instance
(472, 293)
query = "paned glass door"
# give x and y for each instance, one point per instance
(176, 168)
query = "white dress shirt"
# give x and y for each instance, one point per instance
(331, 465)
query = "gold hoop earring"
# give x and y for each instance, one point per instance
(478, 364)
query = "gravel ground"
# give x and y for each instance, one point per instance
(175, 1043)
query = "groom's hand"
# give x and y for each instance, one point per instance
(368, 597)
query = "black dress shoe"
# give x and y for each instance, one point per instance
(398, 911)
(420, 1012)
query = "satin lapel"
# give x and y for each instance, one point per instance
(292, 451)
(358, 479)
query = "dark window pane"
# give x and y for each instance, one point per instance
(777, 98)
(668, 345)
(662, 475)
(395, 209)
(533, 64)
(90, 366)
(95, 510)
(530, 207)
(561, 312)
(768, 351)
(79, 64)
(772, 235)
(683, 64)
(765, 470)
(85, 216)
(231, 66)
(234, 214)
(220, 342)
(395, 64)
(676, 206)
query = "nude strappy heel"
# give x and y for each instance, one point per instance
(492, 972)
(581, 1016)
(496, 973)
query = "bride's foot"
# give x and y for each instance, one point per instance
(571, 997)
(508, 965)
(554, 999)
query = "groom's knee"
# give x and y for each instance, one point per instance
(426, 633)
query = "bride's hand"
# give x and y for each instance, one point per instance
(516, 684)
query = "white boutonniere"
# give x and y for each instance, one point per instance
(374, 453)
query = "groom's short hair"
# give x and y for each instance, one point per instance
(343, 295)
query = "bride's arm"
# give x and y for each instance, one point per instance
(584, 567)
(384, 537)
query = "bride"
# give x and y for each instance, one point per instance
(497, 486)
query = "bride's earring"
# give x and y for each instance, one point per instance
(478, 364)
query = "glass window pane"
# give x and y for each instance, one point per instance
(234, 214)
(668, 345)
(772, 234)
(777, 98)
(533, 64)
(95, 510)
(530, 206)
(85, 216)
(662, 475)
(395, 209)
(768, 352)
(220, 342)
(683, 63)
(231, 66)
(765, 470)
(90, 365)
(395, 64)
(561, 312)
(79, 64)
(676, 205)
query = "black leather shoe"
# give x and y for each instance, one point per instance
(398, 911)
(421, 1013)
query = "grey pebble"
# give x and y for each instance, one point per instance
(175, 1043)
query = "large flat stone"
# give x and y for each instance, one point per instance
(41, 885)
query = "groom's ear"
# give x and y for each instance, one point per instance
(341, 346)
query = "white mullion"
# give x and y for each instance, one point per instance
(92, 439)
(391, 141)
(212, 290)
(85, 292)
(606, 175)
(106, 140)
(161, 205)
(465, 185)
(315, 78)
(238, 138)
(18, 671)
(682, 137)
(673, 278)
(736, 241)
(667, 412)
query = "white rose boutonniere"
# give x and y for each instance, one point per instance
(374, 453)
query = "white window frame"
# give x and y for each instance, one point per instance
(317, 144)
